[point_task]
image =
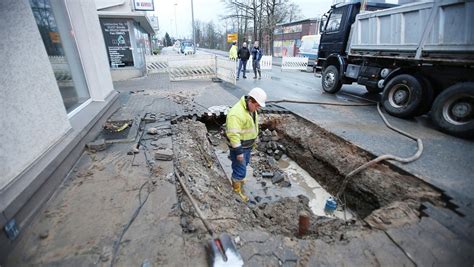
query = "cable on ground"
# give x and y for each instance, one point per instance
(320, 103)
(141, 203)
(386, 156)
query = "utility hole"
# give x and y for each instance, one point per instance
(296, 167)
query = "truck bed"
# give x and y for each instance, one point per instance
(427, 31)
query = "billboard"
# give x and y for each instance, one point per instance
(284, 48)
(232, 37)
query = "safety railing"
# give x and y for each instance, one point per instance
(294, 63)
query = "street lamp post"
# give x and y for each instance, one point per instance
(192, 18)
(175, 20)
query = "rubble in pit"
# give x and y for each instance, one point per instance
(330, 158)
(212, 190)
(380, 190)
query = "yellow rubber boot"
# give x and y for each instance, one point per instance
(237, 186)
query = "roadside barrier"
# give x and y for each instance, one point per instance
(265, 63)
(157, 64)
(189, 68)
(294, 63)
(200, 66)
(226, 69)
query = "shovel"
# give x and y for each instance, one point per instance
(221, 249)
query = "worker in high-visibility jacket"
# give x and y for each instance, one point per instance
(242, 132)
(233, 51)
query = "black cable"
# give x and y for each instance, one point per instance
(127, 226)
(141, 203)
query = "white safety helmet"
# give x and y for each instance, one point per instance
(259, 95)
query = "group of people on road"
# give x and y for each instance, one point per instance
(243, 55)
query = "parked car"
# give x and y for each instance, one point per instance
(187, 48)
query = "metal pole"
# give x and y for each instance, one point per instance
(192, 17)
(175, 21)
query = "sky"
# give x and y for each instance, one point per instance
(207, 10)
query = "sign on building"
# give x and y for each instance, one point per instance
(117, 40)
(232, 37)
(143, 5)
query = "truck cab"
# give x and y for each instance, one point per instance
(335, 31)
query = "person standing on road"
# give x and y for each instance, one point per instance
(256, 56)
(241, 133)
(243, 54)
(233, 51)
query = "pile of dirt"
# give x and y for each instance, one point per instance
(212, 190)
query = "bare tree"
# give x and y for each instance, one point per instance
(261, 16)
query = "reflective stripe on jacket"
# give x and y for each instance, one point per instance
(241, 129)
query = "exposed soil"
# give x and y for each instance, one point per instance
(212, 190)
(325, 156)
(329, 157)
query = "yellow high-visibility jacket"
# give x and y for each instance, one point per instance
(233, 52)
(241, 126)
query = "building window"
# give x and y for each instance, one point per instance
(58, 38)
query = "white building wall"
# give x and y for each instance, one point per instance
(91, 45)
(114, 5)
(33, 116)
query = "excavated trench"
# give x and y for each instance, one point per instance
(379, 197)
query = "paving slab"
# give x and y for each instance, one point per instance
(84, 219)
(431, 244)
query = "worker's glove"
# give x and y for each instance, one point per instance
(240, 158)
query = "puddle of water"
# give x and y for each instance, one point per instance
(314, 191)
(301, 184)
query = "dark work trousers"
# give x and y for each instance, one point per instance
(256, 67)
(244, 63)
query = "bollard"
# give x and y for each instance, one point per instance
(303, 223)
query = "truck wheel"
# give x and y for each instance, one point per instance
(402, 96)
(373, 90)
(331, 80)
(453, 110)
(427, 96)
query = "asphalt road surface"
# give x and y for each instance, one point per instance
(447, 162)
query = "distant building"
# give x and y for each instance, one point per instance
(128, 33)
(287, 36)
(56, 92)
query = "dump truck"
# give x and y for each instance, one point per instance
(419, 55)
